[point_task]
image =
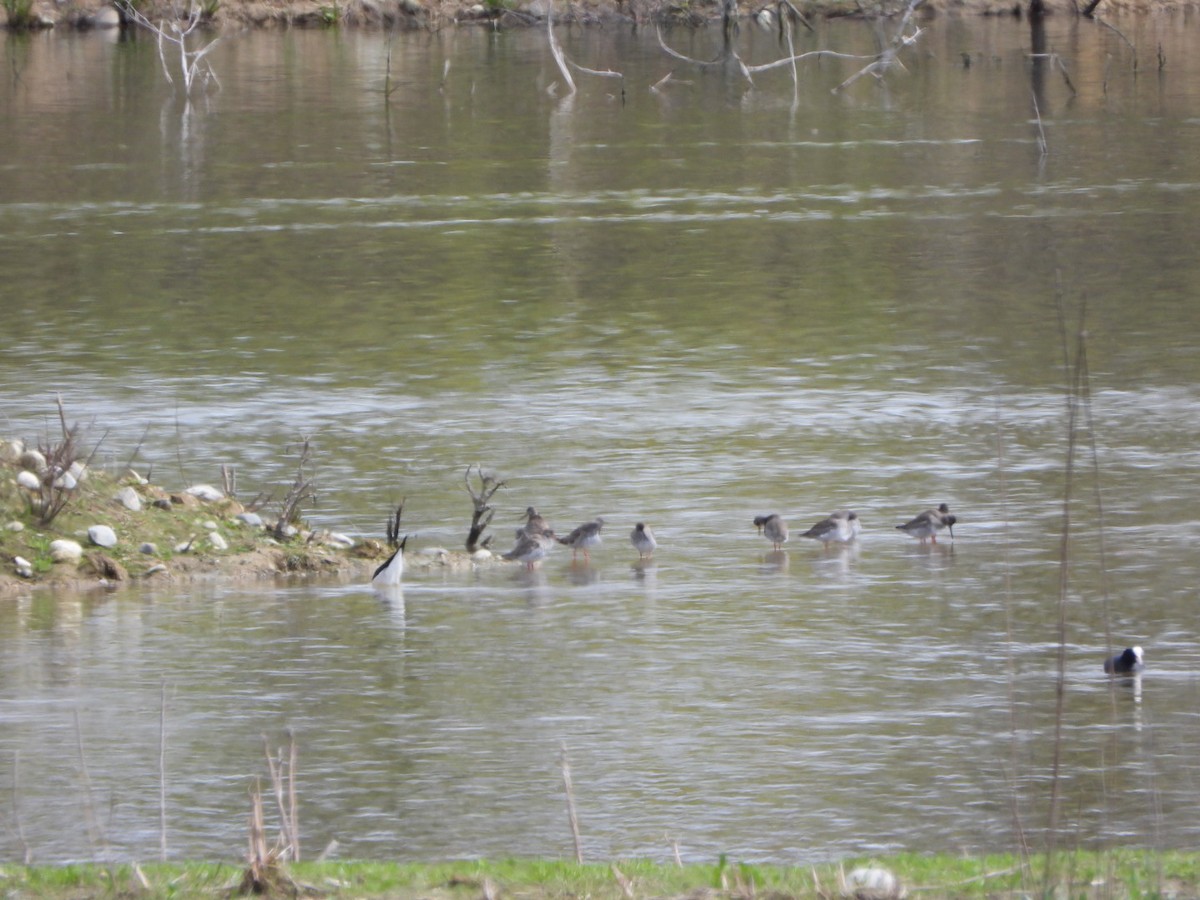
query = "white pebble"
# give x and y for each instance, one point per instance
(205, 492)
(28, 480)
(23, 566)
(481, 555)
(129, 499)
(253, 519)
(15, 526)
(66, 482)
(63, 550)
(218, 541)
(102, 536)
(210, 525)
(149, 549)
(33, 460)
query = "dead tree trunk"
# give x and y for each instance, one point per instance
(481, 515)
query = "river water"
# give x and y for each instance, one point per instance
(685, 307)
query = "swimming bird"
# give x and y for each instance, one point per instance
(842, 526)
(643, 540)
(531, 548)
(534, 523)
(1127, 662)
(773, 528)
(390, 572)
(584, 538)
(929, 523)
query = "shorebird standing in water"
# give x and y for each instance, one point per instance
(534, 523)
(584, 538)
(773, 528)
(929, 523)
(532, 548)
(643, 540)
(842, 526)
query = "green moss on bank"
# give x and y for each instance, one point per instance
(1115, 874)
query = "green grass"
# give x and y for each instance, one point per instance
(1113, 874)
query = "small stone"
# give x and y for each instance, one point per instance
(10, 451)
(129, 499)
(337, 539)
(185, 547)
(102, 536)
(15, 526)
(218, 541)
(154, 570)
(186, 500)
(289, 531)
(78, 471)
(149, 549)
(253, 519)
(161, 503)
(28, 480)
(32, 461)
(66, 482)
(64, 550)
(23, 566)
(874, 883)
(205, 492)
(136, 478)
(481, 555)
(210, 525)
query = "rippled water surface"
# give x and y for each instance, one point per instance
(686, 308)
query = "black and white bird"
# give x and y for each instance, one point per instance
(928, 523)
(584, 538)
(773, 528)
(841, 527)
(1128, 662)
(390, 573)
(643, 540)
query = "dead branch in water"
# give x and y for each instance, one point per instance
(730, 60)
(482, 512)
(195, 70)
(1056, 61)
(565, 65)
(889, 56)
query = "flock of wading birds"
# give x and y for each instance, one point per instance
(535, 540)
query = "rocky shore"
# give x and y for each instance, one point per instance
(71, 527)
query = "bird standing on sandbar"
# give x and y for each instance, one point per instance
(842, 526)
(643, 540)
(773, 528)
(584, 538)
(929, 523)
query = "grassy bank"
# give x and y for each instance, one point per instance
(1123, 873)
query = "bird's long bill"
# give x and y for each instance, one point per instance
(951, 529)
(404, 543)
